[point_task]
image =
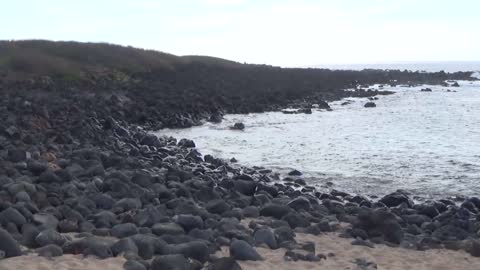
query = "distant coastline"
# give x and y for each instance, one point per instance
(447, 66)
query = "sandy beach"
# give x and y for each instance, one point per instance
(345, 254)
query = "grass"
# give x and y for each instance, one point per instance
(72, 59)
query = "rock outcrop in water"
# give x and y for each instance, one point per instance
(370, 104)
(75, 158)
(238, 126)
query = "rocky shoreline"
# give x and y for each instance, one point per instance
(79, 176)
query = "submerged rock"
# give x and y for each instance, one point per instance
(238, 126)
(295, 173)
(216, 118)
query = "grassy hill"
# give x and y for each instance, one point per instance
(20, 59)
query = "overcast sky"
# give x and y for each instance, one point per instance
(278, 32)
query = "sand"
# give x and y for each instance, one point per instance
(65, 262)
(386, 258)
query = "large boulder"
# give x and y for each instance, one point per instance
(189, 222)
(142, 178)
(430, 209)
(37, 167)
(370, 104)
(284, 234)
(11, 215)
(238, 126)
(29, 233)
(225, 263)
(274, 210)
(197, 250)
(123, 230)
(133, 265)
(170, 262)
(125, 245)
(242, 251)
(151, 140)
(146, 245)
(9, 245)
(380, 222)
(396, 198)
(450, 232)
(168, 229)
(295, 173)
(246, 187)
(49, 251)
(474, 248)
(265, 236)
(216, 118)
(416, 219)
(127, 204)
(300, 203)
(186, 143)
(295, 219)
(45, 221)
(48, 237)
(218, 206)
(92, 245)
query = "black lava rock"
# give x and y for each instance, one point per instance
(49, 251)
(133, 265)
(225, 263)
(48, 237)
(274, 210)
(124, 230)
(9, 245)
(170, 262)
(370, 104)
(265, 236)
(241, 250)
(238, 126)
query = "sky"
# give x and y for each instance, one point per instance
(277, 32)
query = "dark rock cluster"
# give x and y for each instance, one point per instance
(76, 163)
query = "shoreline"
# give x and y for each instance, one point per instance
(323, 181)
(68, 168)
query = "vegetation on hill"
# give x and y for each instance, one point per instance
(73, 59)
